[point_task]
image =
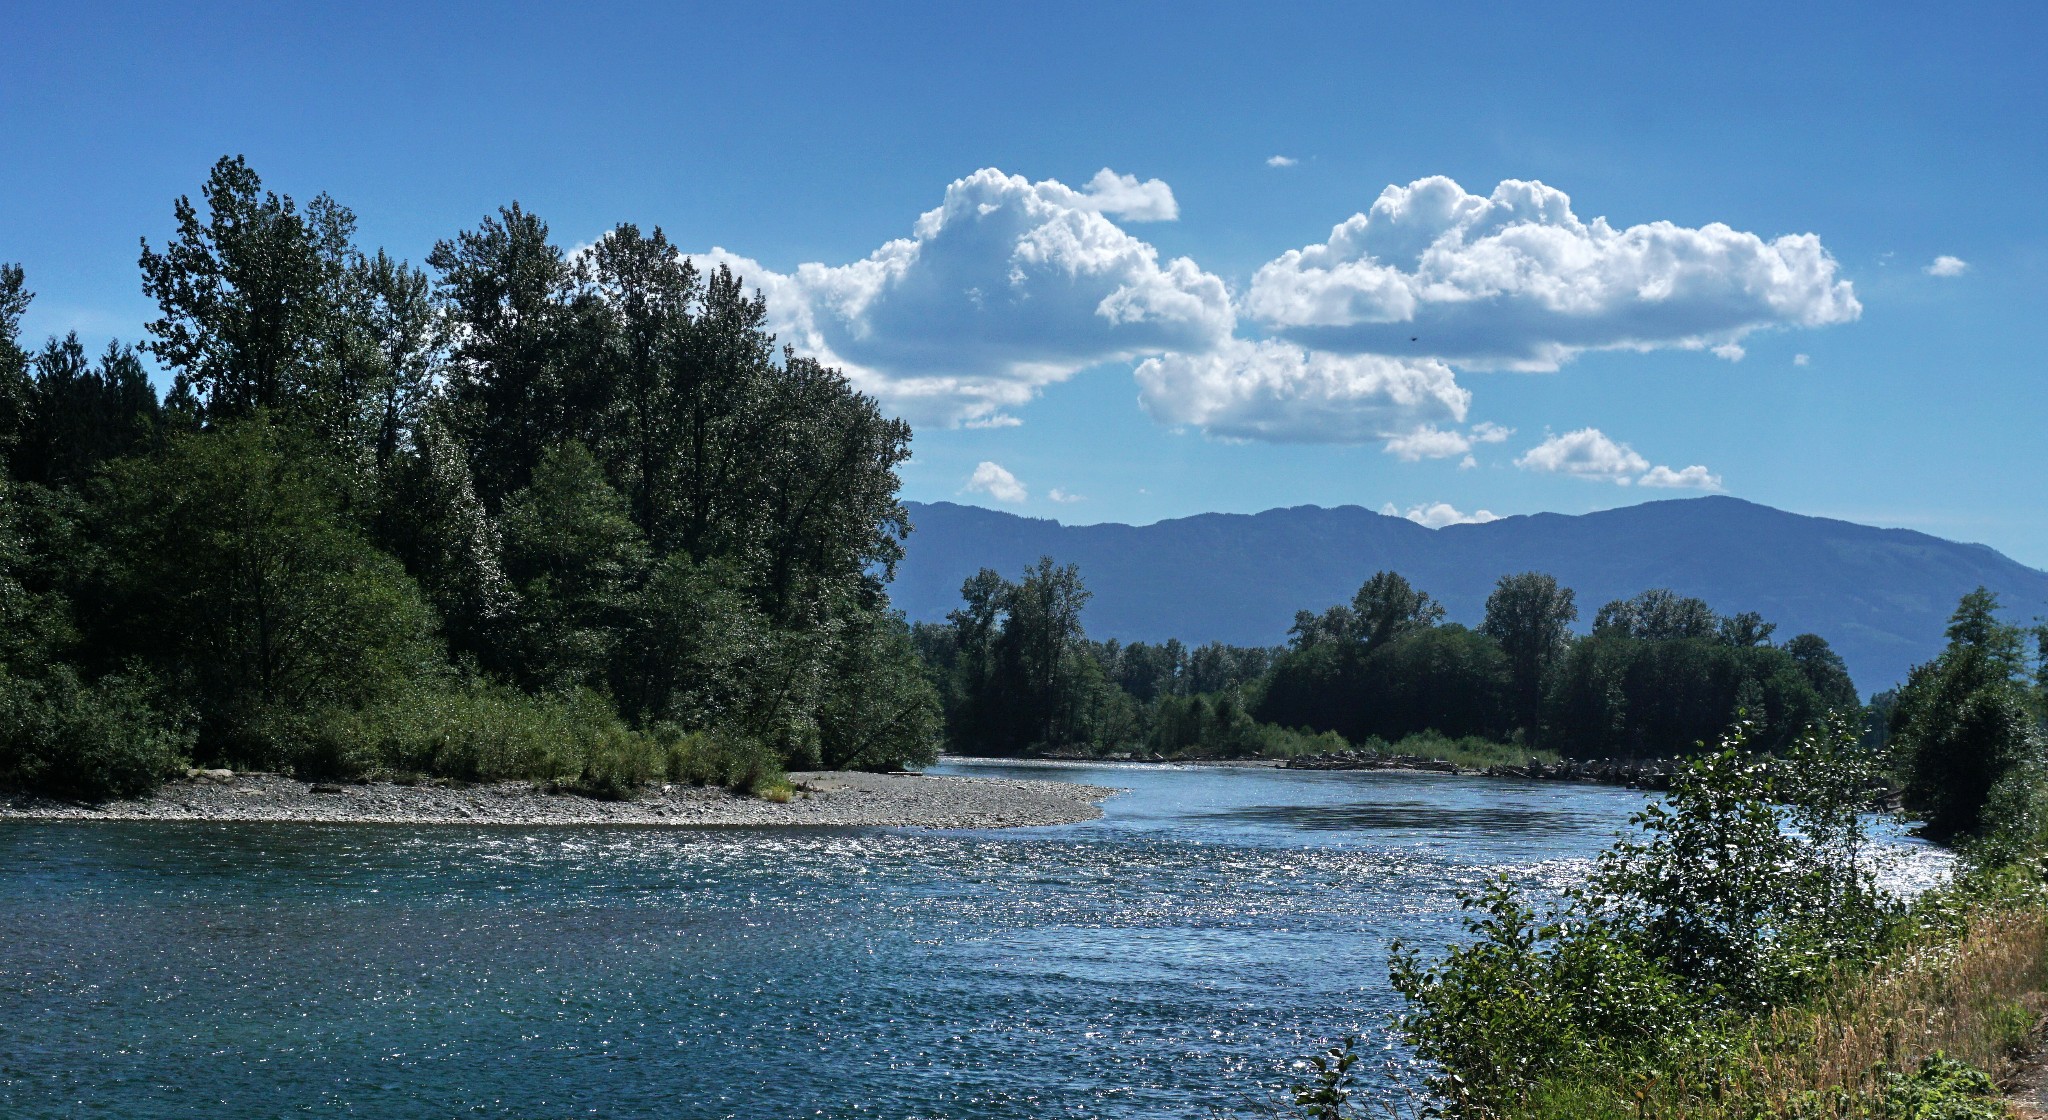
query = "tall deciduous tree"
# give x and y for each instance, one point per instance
(1963, 723)
(506, 292)
(253, 298)
(1824, 669)
(1531, 617)
(576, 560)
(14, 384)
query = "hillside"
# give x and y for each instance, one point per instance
(1881, 596)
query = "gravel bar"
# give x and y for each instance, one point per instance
(831, 798)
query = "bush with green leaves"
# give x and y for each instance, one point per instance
(87, 741)
(718, 758)
(233, 572)
(1743, 890)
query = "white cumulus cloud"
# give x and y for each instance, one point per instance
(1586, 453)
(1064, 498)
(1802, 360)
(1270, 390)
(1431, 442)
(1121, 195)
(1006, 287)
(1589, 454)
(1436, 515)
(998, 483)
(1281, 161)
(1691, 478)
(1517, 280)
(1948, 266)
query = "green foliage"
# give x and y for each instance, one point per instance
(232, 572)
(1532, 998)
(1824, 670)
(1941, 1089)
(479, 732)
(87, 741)
(879, 711)
(575, 560)
(78, 416)
(719, 758)
(14, 381)
(1964, 727)
(1622, 694)
(1531, 617)
(1383, 667)
(1744, 890)
(1331, 1088)
(591, 491)
(254, 298)
(1385, 608)
(1470, 751)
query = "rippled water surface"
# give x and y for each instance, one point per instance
(1165, 961)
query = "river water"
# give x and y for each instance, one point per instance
(1168, 960)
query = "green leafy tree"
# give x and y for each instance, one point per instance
(1531, 617)
(575, 560)
(14, 377)
(400, 341)
(1745, 889)
(253, 298)
(650, 293)
(1658, 615)
(1040, 650)
(1824, 670)
(878, 711)
(1444, 678)
(505, 291)
(230, 569)
(694, 655)
(1385, 607)
(1963, 722)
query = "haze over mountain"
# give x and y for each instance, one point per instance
(1881, 596)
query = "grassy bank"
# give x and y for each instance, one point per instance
(1733, 956)
(481, 733)
(1921, 1035)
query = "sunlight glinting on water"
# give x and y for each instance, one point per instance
(1169, 960)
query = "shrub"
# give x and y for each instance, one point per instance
(91, 742)
(1727, 903)
(480, 732)
(719, 758)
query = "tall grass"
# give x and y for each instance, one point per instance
(485, 733)
(1967, 987)
(1469, 751)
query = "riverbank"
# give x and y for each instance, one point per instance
(1647, 774)
(827, 798)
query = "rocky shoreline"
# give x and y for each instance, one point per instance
(822, 798)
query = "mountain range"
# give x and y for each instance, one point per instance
(1882, 597)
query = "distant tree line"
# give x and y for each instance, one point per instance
(1658, 674)
(567, 516)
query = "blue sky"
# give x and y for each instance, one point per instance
(1184, 334)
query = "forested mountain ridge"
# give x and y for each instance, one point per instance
(1881, 596)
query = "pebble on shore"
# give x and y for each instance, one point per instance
(831, 798)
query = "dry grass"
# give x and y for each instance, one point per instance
(1972, 997)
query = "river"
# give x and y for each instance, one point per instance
(1167, 960)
